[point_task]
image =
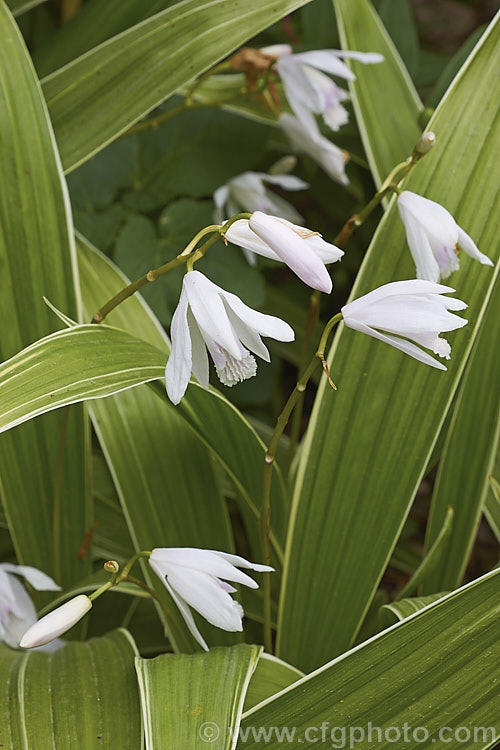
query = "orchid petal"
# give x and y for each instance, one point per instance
(285, 181)
(240, 234)
(36, 578)
(199, 354)
(22, 614)
(209, 313)
(180, 604)
(470, 247)
(203, 593)
(178, 369)
(293, 250)
(405, 346)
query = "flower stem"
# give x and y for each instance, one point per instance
(265, 511)
(186, 256)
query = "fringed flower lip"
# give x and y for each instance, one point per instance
(209, 318)
(402, 310)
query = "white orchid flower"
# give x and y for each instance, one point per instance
(414, 309)
(434, 237)
(309, 140)
(56, 622)
(208, 317)
(197, 578)
(310, 91)
(17, 611)
(303, 251)
(248, 192)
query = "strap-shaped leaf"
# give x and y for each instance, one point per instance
(368, 445)
(76, 364)
(215, 421)
(151, 451)
(469, 455)
(438, 668)
(384, 98)
(189, 700)
(94, 23)
(99, 95)
(82, 697)
(43, 470)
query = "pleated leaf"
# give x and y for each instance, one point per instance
(469, 455)
(95, 98)
(368, 444)
(438, 668)
(43, 466)
(384, 98)
(82, 697)
(189, 700)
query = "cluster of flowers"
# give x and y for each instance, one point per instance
(209, 318)
(194, 578)
(405, 314)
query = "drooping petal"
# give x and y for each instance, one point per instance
(266, 325)
(326, 60)
(314, 144)
(469, 246)
(220, 198)
(240, 234)
(198, 351)
(248, 336)
(56, 622)
(180, 604)
(405, 346)
(277, 50)
(292, 250)
(204, 593)
(421, 250)
(17, 616)
(325, 251)
(411, 315)
(39, 580)
(285, 181)
(203, 560)
(178, 369)
(241, 562)
(209, 312)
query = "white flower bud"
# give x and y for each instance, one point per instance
(56, 622)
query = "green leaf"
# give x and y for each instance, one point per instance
(188, 700)
(101, 94)
(368, 445)
(469, 455)
(437, 668)
(456, 62)
(492, 507)
(271, 676)
(94, 23)
(397, 611)
(397, 17)
(83, 362)
(434, 556)
(384, 98)
(81, 697)
(150, 452)
(21, 6)
(43, 466)
(215, 421)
